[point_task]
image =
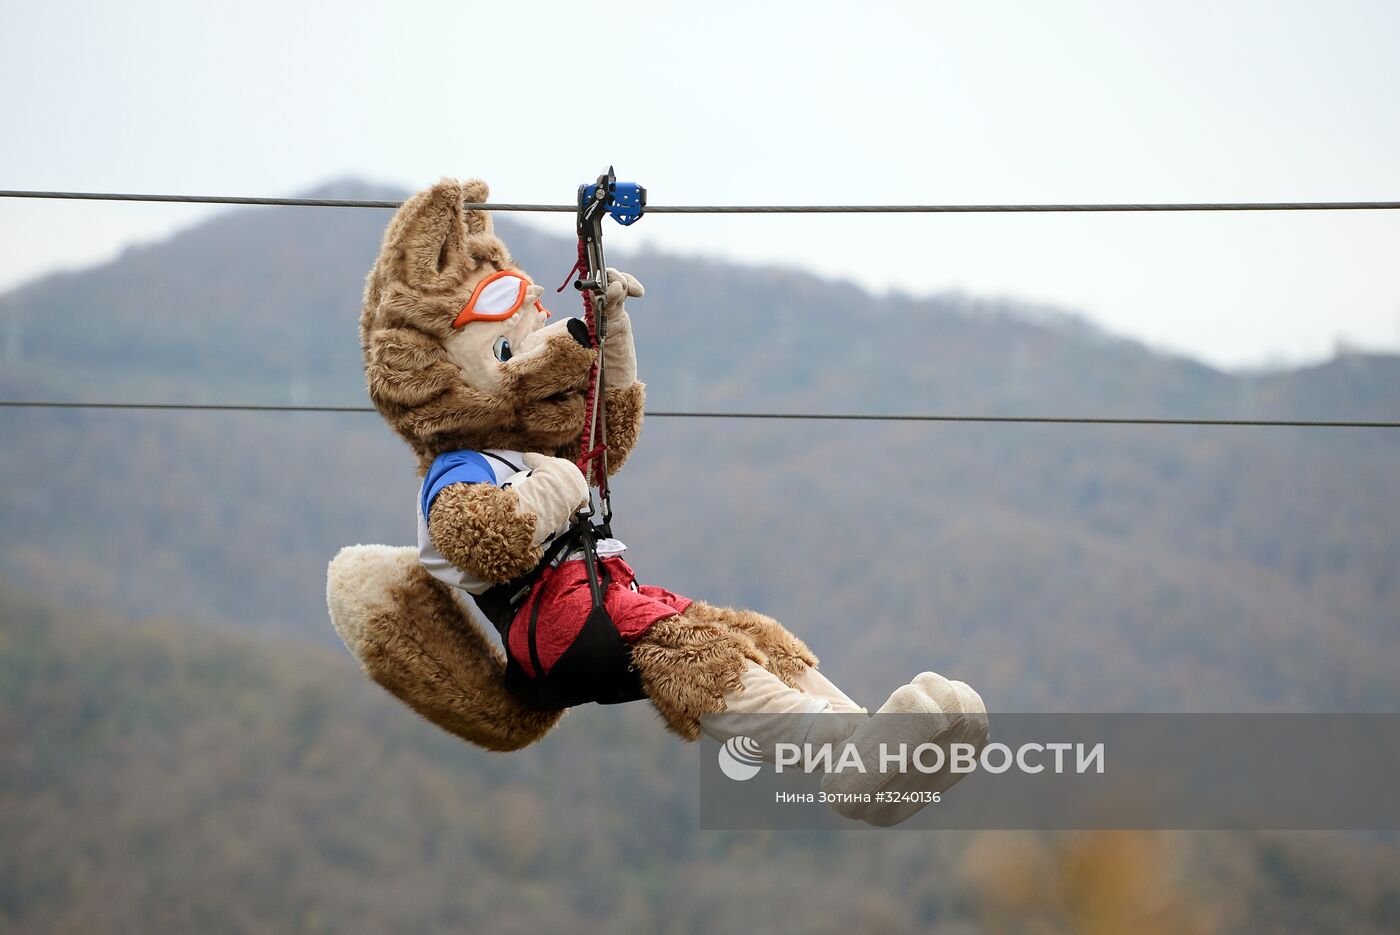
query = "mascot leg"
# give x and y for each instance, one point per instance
(726, 672)
(713, 660)
(415, 639)
(787, 657)
(690, 664)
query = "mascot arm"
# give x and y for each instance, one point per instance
(623, 395)
(484, 530)
(496, 533)
(625, 405)
(552, 490)
(619, 353)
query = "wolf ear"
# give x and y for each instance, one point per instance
(477, 220)
(433, 242)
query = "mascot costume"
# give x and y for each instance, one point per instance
(508, 412)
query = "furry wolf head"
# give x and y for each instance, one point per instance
(458, 350)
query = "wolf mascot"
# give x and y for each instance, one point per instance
(464, 363)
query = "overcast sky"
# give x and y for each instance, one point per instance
(706, 102)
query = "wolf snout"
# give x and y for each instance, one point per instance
(579, 330)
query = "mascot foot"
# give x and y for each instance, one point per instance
(929, 710)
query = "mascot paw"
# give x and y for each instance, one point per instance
(929, 710)
(622, 286)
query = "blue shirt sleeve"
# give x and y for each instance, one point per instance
(454, 467)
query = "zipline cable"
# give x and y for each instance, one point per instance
(743, 209)
(790, 416)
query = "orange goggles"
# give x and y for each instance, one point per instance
(496, 298)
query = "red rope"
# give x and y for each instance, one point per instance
(580, 266)
(589, 454)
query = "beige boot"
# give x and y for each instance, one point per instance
(929, 710)
(811, 682)
(840, 720)
(768, 712)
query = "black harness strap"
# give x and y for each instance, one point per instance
(500, 602)
(514, 468)
(532, 637)
(597, 665)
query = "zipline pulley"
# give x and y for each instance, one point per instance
(624, 202)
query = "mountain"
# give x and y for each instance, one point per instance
(186, 749)
(1059, 567)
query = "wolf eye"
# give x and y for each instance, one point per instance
(502, 349)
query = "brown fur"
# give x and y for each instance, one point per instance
(689, 663)
(784, 654)
(626, 406)
(481, 528)
(431, 246)
(428, 653)
(538, 408)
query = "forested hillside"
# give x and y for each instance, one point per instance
(160, 777)
(227, 768)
